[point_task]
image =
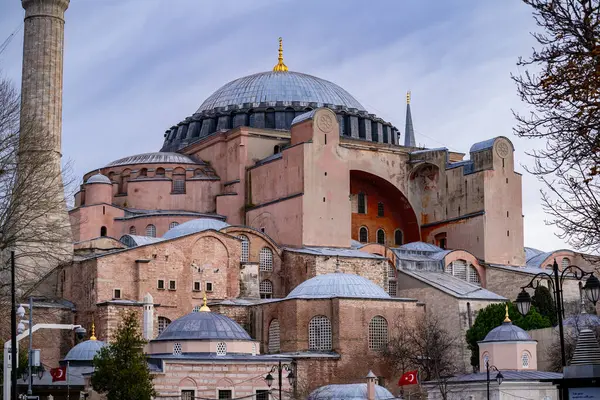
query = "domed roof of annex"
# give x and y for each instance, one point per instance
(195, 226)
(352, 391)
(159, 157)
(283, 86)
(337, 285)
(203, 326)
(507, 332)
(98, 178)
(85, 351)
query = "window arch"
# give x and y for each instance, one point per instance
(266, 289)
(363, 234)
(274, 340)
(103, 231)
(398, 237)
(474, 276)
(173, 224)
(151, 230)
(245, 248)
(525, 359)
(160, 172)
(221, 349)
(362, 203)
(319, 333)
(266, 260)
(381, 236)
(378, 333)
(564, 263)
(163, 322)
(132, 230)
(143, 172)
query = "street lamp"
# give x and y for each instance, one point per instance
(499, 376)
(279, 368)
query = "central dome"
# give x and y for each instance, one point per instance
(271, 87)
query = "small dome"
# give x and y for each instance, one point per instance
(84, 351)
(337, 285)
(195, 226)
(507, 332)
(160, 157)
(203, 326)
(98, 178)
(420, 246)
(353, 391)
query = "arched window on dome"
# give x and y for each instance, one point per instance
(173, 224)
(178, 181)
(374, 132)
(160, 172)
(132, 230)
(319, 334)
(265, 260)
(564, 263)
(398, 237)
(274, 340)
(245, 248)
(251, 118)
(381, 236)
(386, 134)
(143, 173)
(266, 289)
(378, 333)
(270, 118)
(151, 230)
(363, 234)
(111, 176)
(103, 231)
(290, 114)
(163, 322)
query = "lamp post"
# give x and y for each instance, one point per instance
(279, 368)
(13, 332)
(499, 376)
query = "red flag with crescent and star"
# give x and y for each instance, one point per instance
(409, 378)
(59, 374)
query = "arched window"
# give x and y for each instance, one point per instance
(525, 360)
(266, 260)
(380, 209)
(362, 203)
(474, 276)
(132, 230)
(151, 230)
(162, 324)
(274, 341)
(270, 118)
(565, 263)
(103, 231)
(198, 172)
(459, 269)
(381, 236)
(160, 172)
(391, 271)
(363, 234)
(266, 289)
(111, 176)
(251, 119)
(374, 132)
(398, 237)
(221, 349)
(378, 333)
(179, 181)
(319, 334)
(485, 359)
(173, 224)
(143, 172)
(245, 248)
(127, 241)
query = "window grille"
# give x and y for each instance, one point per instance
(398, 238)
(565, 263)
(127, 241)
(262, 394)
(178, 186)
(459, 269)
(221, 349)
(274, 341)
(173, 224)
(151, 230)
(319, 333)
(196, 309)
(392, 288)
(162, 324)
(225, 395)
(266, 260)
(391, 271)
(362, 203)
(448, 269)
(188, 395)
(177, 349)
(132, 230)
(266, 289)
(363, 235)
(378, 333)
(253, 349)
(525, 360)
(245, 248)
(474, 276)
(381, 236)
(380, 209)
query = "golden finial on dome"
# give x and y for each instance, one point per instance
(93, 335)
(408, 97)
(506, 319)
(204, 308)
(280, 67)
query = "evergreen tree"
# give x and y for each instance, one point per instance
(492, 316)
(121, 371)
(543, 302)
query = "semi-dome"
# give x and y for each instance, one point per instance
(98, 178)
(337, 285)
(159, 157)
(507, 332)
(287, 87)
(84, 351)
(353, 391)
(195, 226)
(203, 326)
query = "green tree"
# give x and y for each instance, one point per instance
(543, 302)
(121, 370)
(492, 316)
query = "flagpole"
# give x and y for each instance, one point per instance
(68, 388)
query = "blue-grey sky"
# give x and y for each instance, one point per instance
(133, 68)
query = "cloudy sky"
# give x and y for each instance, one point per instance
(133, 68)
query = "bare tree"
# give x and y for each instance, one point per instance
(426, 345)
(562, 85)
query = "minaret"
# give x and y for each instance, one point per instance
(44, 239)
(409, 133)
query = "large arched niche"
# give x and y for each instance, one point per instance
(424, 192)
(398, 214)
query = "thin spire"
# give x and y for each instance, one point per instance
(204, 308)
(280, 67)
(506, 319)
(409, 133)
(93, 335)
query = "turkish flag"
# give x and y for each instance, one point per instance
(409, 378)
(59, 374)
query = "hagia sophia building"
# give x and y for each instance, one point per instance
(311, 225)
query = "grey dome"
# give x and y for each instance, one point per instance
(98, 178)
(160, 157)
(420, 246)
(84, 351)
(279, 86)
(337, 285)
(195, 226)
(353, 391)
(507, 332)
(203, 326)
